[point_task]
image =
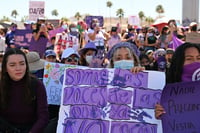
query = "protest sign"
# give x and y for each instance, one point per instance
(193, 37)
(36, 10)
(99, 100)
(53, 80)
(23, 38)
(182, 107)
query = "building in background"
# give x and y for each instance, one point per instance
(190, 11)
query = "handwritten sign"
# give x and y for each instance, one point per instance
(36, 10)
(180, 101)
(109, 101)
(23, 38)
(193, 37)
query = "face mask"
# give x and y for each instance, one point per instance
(89, 58)
(64, 27)
(124, 64)
(191, 72)
(161, 63)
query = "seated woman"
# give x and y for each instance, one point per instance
(23, 99)
(123, 56)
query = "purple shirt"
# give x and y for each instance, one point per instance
(21, 114)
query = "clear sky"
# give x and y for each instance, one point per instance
(68, 8)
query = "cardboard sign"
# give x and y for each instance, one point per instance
(109, 101)
(193, 37)
(182, 107)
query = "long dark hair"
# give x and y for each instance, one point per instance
(5, 79)
(176, 68)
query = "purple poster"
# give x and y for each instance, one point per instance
(39, 45)
(99, 100)
(88, 20)
(182, 106)
(23, 38)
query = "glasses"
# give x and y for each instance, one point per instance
(70, 59)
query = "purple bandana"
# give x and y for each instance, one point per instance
(191, 72)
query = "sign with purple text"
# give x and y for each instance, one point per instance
(23, 38)
(36, 10)
(182, 107)
(53, 80)
(100, 100)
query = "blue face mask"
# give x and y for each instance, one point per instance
(124, 64)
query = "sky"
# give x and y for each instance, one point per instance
(68, 8)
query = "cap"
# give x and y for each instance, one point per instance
(114, 29)
(67, 52)
(169, 51)
(192, 24)
(49, 53)
(89, 45)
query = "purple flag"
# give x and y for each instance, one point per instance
(175, 42)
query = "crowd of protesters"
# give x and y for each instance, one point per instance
(133, 48)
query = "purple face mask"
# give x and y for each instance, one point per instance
(191, 72)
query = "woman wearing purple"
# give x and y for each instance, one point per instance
(184, 67)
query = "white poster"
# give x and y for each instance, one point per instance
(97, 100)
(36, 10)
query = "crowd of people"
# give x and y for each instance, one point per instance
(136, 49)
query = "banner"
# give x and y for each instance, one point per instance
(182, 107)
(109, 101)
(36, 10)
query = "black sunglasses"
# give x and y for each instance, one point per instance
(70, 59)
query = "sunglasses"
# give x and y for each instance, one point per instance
(70, 59)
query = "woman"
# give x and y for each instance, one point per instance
(70, 56)
(185, 61)
(123, 55)
(23, 100)
(87, 53)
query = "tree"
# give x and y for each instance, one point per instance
(54, 13)
(141, 16)
(149, 20)
(77, 16)
(109, 5)
(120, 14)
(65, 19)
(159, 9)
(14, 14)
(5, 19)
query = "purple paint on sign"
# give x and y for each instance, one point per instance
(119, 112)
(124, 78)
(182, 107)
(85, 95)
(85, 111)
(85, 126)
(146, 98)
(119, 96)
(86, 77)
(132, 127)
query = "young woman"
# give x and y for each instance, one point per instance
(87, 53)
(185, 61)
(23, 100)
(123, 55)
